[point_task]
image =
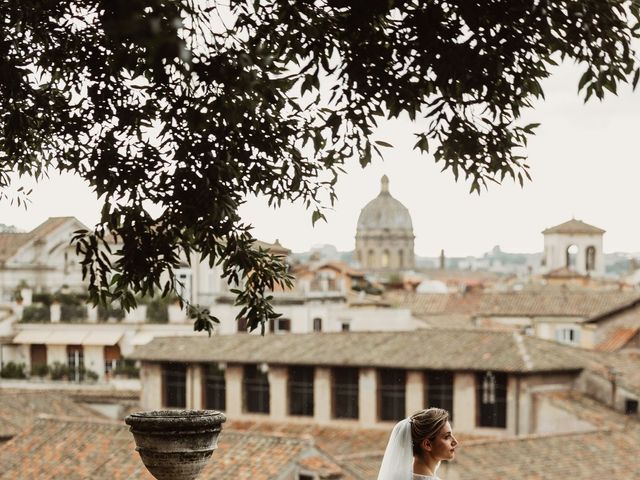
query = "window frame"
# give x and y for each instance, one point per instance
(439, 390)
(491, 399)
(256, 391)
(392, 395)
(214, 387)
(74, 369)
(317, 324)
(300, 391)
(174, 376)
(345, 394)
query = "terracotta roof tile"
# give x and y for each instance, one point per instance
(574, 227)
(590, 455)
(10, 243)
(79, 449)
(584, 455)
(422, 349)
(617, 339)
(19, 408)
(552, 302)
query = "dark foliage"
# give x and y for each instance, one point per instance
(191, 107)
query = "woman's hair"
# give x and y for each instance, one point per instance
(426, 424)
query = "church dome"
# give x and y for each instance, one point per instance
(384, 213)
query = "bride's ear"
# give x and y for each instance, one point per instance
(426, 445)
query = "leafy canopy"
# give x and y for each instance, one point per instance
(191, 106)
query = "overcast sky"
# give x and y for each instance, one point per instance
(584, 163)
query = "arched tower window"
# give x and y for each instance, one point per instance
(400, 258)
(591, 258)
(384, 261)
(572, 253)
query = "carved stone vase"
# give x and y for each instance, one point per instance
(175, 444)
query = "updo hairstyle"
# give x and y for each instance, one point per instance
(426, 424)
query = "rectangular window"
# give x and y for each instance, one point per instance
(440, 390)
(345, 392)
(392, 394)
(345, 327)
(214, 388)
(491, 394)
(256, 390)
(75, 362)
(568, 335)
(631, 406)
(174, 379)
(38, 355)
(300, 390)
(317, 324)
(280, 325)
(112, 357)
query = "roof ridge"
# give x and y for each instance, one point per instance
(538, 436)
(302, 437)
(47, 417)
(522, 349)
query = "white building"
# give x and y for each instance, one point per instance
(43, 259)
(576, 246)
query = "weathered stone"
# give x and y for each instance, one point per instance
(175, 444)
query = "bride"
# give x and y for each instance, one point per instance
(417, 445)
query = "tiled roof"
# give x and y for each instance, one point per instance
(275, 248)
(340, 442)
(19, 408)
(578, 405)
(590, 455)
(335, 440)
(585, 455)
(79, 449)
(448, 349)
(573, 227)
(552, 302)
(340, 267)
(618, 339)
(10, 243)
(625, 364)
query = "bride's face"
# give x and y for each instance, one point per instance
(444, 445)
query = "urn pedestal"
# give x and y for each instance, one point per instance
(175, 444)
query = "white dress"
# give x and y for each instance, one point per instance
(417, 476)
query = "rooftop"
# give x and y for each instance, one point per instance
(574, 227)
(19, 408)
(11, 242)
(74, 449)
(422, 349)
(610, 454)
(548, 303)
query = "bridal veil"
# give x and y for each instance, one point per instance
(397, 463)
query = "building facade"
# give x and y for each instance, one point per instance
(360, 379)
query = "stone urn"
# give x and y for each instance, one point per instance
(175, 444)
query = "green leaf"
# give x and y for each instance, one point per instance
(317, 215)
